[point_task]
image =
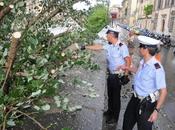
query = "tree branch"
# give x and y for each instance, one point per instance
(10, 59)
(39, 124)
(7, 9)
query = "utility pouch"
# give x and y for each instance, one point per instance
(124, 80)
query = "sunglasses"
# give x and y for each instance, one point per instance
(142, 46)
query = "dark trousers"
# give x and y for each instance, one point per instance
(132, 114)
(114, 103)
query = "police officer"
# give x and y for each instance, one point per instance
(149, 88)
(117, 55)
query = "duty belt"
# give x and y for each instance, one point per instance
(152, 97)
(141, 97)
(120, 72)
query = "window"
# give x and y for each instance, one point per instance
(167, 3)
(172, 2)
(126, 10)
(163, 25)
(171, 24)
(159, 4)
(155, 21)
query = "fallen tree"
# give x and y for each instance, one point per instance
(31, 57)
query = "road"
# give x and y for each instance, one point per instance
(168, 61)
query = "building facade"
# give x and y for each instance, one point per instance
(128, 12)
(133, 10)
(124, 12)
(143, 20)
(164, 16)
(162, 19)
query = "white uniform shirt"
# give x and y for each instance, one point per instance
(149, 78)
(115, 55)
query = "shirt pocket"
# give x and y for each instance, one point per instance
(146, 76)
(115, 54)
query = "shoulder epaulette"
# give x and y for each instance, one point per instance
(157, 66)
(109, 43)
(120, 44)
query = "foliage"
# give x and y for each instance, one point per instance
(148, 9)
(66, 129)
(97, 19)
(39, 55)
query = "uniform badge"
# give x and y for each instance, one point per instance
(120, 44)
(157, 66)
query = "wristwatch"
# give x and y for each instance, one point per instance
(157, 110)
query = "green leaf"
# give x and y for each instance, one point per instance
(148, 9)
(26, 106)
(34, 41)
(29, 78)
(61, 81)
(66, 129)
(44, 75)
(93, 95)
(65, 100)
(46, 107)
(78, 107)
(19, 104)
(65, 103)
(84, 82)
(1, 92)
(57, 101)
(5, 53)
(91, 89)
(13, 10)
(20, 4)
(56, 85)
(42, 61)
(36, 107)
(35, 94)
(11, 122)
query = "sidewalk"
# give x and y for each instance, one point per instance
(86, 92)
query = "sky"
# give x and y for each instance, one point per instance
(82, 5)
(116, 2)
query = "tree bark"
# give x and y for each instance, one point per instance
(10, 60)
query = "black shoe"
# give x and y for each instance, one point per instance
(111, 121)
(107, 113)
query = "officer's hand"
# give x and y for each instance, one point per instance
(153, 116)
(126, 68)
(82, 47)
(123, 67)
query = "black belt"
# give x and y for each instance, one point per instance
(117, 75)
(147, 98)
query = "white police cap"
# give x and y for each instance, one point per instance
(109, 29)
(148, 41)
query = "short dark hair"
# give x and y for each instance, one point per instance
(152, 49)
(115, 34)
